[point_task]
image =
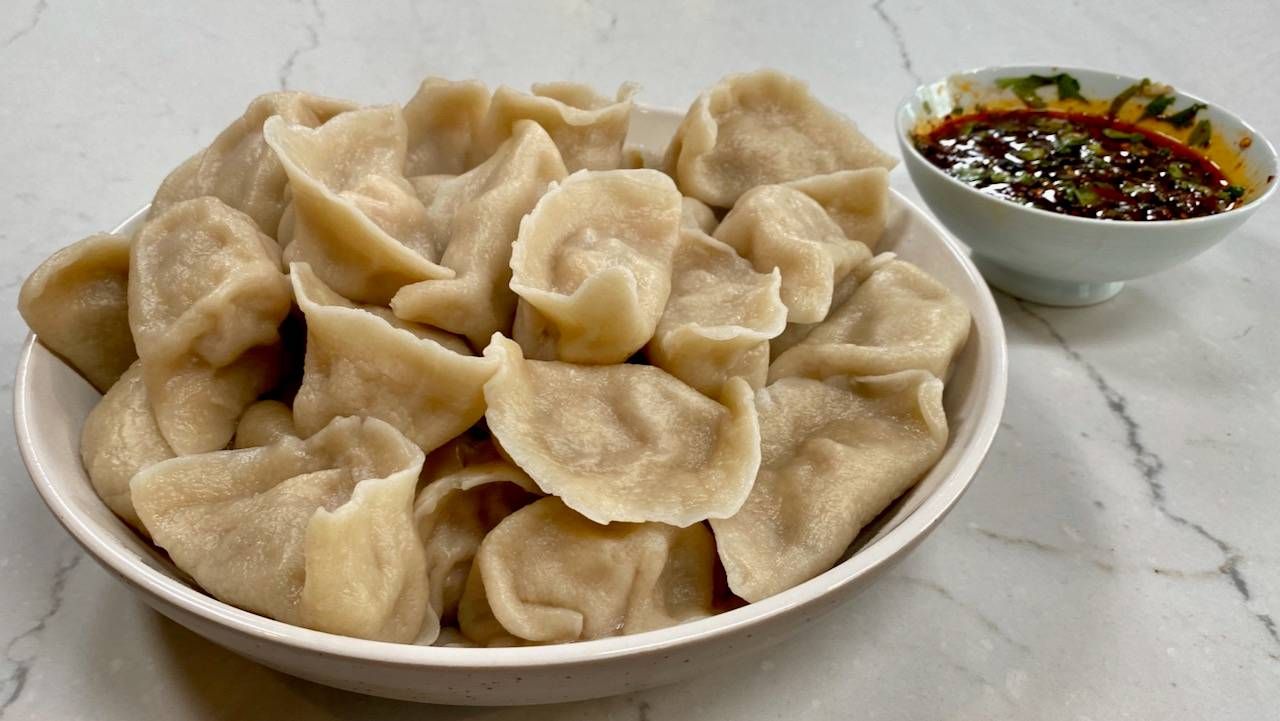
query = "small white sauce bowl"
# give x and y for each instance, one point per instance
(1059, 259)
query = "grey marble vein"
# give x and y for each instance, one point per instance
(986, 621)
(37, 14)
(1151, 466)
(904, 56)
(312, 30)
(15, 681)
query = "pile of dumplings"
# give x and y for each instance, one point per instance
(472, 371)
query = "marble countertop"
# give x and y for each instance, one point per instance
(1115, 558)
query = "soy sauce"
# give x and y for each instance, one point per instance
(1089, 166)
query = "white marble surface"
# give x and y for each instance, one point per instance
(1116, 557)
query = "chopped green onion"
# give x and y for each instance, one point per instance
(1115, 134)
(1125, 95)
(1158, 106)
(1200, 135)
(1025, 87)
(1183, 118)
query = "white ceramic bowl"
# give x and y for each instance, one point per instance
(1061, 259)
(51, 402)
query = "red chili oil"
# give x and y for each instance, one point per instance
(1090, 166)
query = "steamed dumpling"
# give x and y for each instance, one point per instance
(475, 217)
(206, 298)
(856, 200)
(356, 220)
(360, 363)
(719, 318)
(76, 301)
(444, 120)
(548, 575)
(454, 512)
(623, 442)
(120, 438)
(592, 265)
(835, 455)
(238, 167)
(264, 423)
(899, 318)
(317, 532)
(762, 128)
(775, 226)
(587, 128)
(697, 215)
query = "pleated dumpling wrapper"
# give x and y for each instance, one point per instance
(77, 302)
(359, 362)
(120, 438)
(316, 532)
(548, 575)
(264, 423)
(239, 169)
(836, 454)
(206, 297)
(445, 119)
(775, 226)
(624, 442)
(855, 200)
(719, 318)
(589, 129)
(592, 265)
(461, 502)
(762, 128)
(475, 217)
(356, 219)
(899, 318)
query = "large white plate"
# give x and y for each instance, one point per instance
(51, 402)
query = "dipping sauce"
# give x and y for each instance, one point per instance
(1090, 166)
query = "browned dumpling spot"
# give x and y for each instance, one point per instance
(836, 454)
(292, 530)
(76, 301)
(762, 128)
(548, 575)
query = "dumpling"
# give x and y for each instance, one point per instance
(445, 119)
(836, 454)
(238, 167)
(624, 442)
(454, 512)
(587, 128)
(120, 438)
(592, 265)
(762, 128)
(857, 200)
(76, 301)
(357, 221)
(774, 226)
(796, 332)
(548, 575)
(899, 318)
(719, 318)
(697, 215)
(206, 298)
(264, 423)
(359, 363)
(475, 217)
(316, 532)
